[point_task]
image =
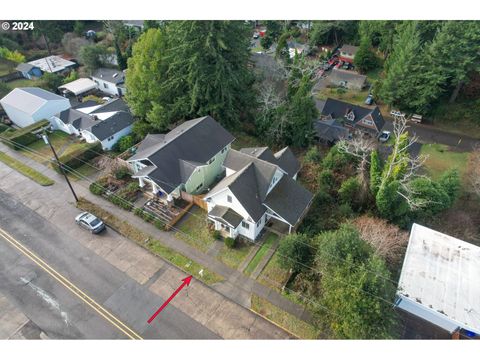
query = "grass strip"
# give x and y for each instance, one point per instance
(26, 170)
(154, 245)
(267, 244)
(283, 319)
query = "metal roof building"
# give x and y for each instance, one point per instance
(439, 282)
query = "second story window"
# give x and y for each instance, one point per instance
(211, 160)
(229, 198)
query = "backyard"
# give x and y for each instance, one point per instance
(41, 152)
(441, 158)
(352, 96)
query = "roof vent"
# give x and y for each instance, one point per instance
(115, 75)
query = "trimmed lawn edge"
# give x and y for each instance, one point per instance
(282, 319)
(153, 245)
(26, 170)
(260, 254)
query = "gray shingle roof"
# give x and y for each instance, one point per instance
(337, 109)
(350, 77)
(111, 75)
(110, 126)
(76, 118)
(195, 141)
(287, 161)
(330, 130)
(112, 105)
(228, 215)
(289, 199)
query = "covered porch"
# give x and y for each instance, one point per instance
(153, 190)
(225, 220)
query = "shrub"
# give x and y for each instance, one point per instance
(230, 242)
(122, 172)
(22, 137)
(4, 128)
(79, 155)
(148, 217)
(312, 155)
(159, 224)
(217, 235)
(14, 56)
(349, 192)
(96, 188)
(124, 143)
(326, 180)
(117, 200)
(138, 212)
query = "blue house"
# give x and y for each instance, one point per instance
(29, 71)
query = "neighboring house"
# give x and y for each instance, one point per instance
(137, 24)
(347, 53)
(439, 282)
(96, 123)
(330, 131)
(29, 71)
(25, 106)
(297, 48)
(54, 64)
(259, 187)
(110, 81)
(352, 117)
(188, 158)
(78, 87)
(347, 79)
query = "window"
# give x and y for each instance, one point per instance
(367, 122)
(224, 149)
(229, 198)
(259, 222)
(199, 186)
(105, 85)
(211, 160)
(245, 225)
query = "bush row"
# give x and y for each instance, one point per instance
(79, 155)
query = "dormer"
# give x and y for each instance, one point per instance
(350, 115)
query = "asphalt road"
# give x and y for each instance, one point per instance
(40, 268)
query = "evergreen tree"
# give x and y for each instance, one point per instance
(365, 60)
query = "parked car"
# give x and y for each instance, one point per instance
(384, 136)
(90, 222)
(256, 35)
(339, 65)
(416, 118)
(369, 99)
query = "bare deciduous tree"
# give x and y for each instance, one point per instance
(388, 240)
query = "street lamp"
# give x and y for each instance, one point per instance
(47, 141)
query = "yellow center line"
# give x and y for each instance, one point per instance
(70, 286)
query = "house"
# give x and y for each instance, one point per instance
(188, 158)
(105, 123)
(110, 81)
(29, 71)
(78, 87)
(439, 283)
(137, 24)
(347, 79)
(351, 117)
(330, 131)
(259, 188)
(297, 48)
(25, 106)
(54, 64)
(347, 53)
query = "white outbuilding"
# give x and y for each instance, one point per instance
(25, 106)
(439, 282)
(78, 87)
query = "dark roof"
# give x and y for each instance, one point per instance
(112, 105)
(193, 142)
(25, 67)
(76, 118)
(287, 161)
(110, 126)
(85, 104)
(349, 49)
(336, 109)
(263, 153)
(289, 199)
(111, 75)
(228, 215)
(330, 130)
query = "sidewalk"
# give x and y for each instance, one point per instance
(236, 287)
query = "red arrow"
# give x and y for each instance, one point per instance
(186, 282)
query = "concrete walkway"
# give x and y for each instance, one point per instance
(236, 287)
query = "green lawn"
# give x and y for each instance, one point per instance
(273, 275)
(22, 83)
(234, 257)
(194, 230)
(441, 158)
(57, 138)
(6, 67)
(284, 319)
(352, 96)
(244, 140)
(461, 117)
(26, 170)
(86, 170)
(267, 244)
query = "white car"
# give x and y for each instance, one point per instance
(90, 222)
(384, 136)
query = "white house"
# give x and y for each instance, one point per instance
(259, 186)
(110, 81)
(439, 282)
(106, 123)
(25, 106)
(188, 158)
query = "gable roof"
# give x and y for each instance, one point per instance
(289, 199)
(77, 119)
(79, 86)
(195, 141)
(330, 130)
(112, 105)
(30, 99)
(52, 64)
(439, 280)
(110, 126)
(339, 75)
(228, 215)
(336, 109)
(110, 75)
(23, 67)
(287, 161)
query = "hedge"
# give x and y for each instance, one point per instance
(23, 137)
(78, 155)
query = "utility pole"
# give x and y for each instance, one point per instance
(47, 141)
